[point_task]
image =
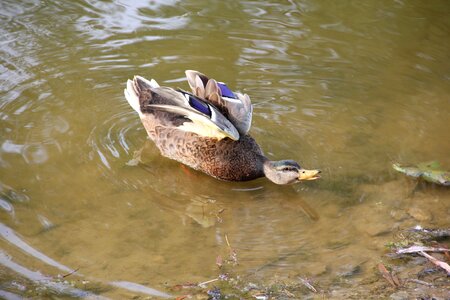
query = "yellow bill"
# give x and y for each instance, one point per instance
(308, 174)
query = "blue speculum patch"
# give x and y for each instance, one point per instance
(226, 92)
(199, 105)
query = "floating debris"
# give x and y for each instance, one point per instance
(430, 172)
(389, 276)
(306, 283)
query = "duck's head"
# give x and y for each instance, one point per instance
(287, 172)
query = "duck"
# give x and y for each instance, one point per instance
(207, 129)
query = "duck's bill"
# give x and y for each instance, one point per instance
(308, 174)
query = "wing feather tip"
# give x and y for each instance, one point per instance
(132, 96)
(151, 83)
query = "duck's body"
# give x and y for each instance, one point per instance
(224, 159)
(195, 131)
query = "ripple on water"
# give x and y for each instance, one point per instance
(319, 76)
(38, 140)
(105, 20)
(110, 140)
(7, 207)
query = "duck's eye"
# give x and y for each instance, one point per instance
(288, 169)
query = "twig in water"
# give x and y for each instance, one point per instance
(436, 261)
(421, 250)
(219, 219)
(418, 249)
(233, 253)
(391, 278)
(204, 283)
(306, 283)
(419, 282)
(226, 239)
(70, 273)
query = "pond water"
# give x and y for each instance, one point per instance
(349, 87)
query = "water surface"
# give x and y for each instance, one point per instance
(348, 87)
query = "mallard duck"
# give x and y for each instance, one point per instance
(207, 130)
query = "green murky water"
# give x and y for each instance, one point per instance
(348, 87)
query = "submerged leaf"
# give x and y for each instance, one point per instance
(428, 171)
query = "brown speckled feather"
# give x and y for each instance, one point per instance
(223, 159)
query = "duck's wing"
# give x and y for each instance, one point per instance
(202, 118)
(236, 107)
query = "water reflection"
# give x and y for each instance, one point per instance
(10, 296)
(347, 88)
(48, 282)
(6, 206)
(9, 235)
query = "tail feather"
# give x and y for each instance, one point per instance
(134, 88)
(145, 82)
(132, 96)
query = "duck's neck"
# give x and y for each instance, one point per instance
(270, 171)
